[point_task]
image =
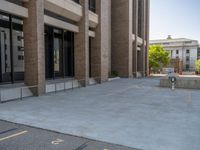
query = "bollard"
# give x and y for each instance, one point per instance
(173, 82)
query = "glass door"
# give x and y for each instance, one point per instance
(68, 54)
(57, 54)
(90, 57)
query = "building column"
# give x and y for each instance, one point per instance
(135, 42)
(142, 60)
(101, 47)
(81, 43)
(122, 37)
(33, 28)
(147, 37)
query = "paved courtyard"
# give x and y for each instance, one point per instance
(129, 112)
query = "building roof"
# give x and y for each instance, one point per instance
(174, 40)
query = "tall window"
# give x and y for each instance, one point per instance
(187, 51)
(187, 67)
(92, 5)
(77, 1)
(59, 53)
(187, 58)
(12, 48)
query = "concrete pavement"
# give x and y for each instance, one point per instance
(131, 112)
(20, 137)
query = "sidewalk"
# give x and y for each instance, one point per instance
(130, 112)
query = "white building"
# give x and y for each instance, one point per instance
(199, 52)
(185, 49)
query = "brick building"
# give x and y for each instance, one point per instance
(80, 39)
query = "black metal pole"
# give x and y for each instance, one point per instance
(63, 53)
(11, 48)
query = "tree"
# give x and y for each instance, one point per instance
(197, 65)
(158, 57)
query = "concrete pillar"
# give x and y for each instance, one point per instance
(81, 51)
(147, 36)
(122, 37)
(33, 27)
(101, 47)
(142, 53)
(135, 42)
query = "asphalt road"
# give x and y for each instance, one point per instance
(20, 137)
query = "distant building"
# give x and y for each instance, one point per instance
(199, 52)
(186, 50)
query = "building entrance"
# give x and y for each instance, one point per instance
(59, 52)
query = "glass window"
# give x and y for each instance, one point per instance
(187, 58)
(59, 53)
(92, 5)
(187, 67)
(77, 1)
(11, 46)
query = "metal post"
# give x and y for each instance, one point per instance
(173, 86)
(55, 88)
(72, 85)
(11, 48)
(21, 93)
(0, 97)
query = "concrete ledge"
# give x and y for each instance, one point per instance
(15, 93)
(112, 79)
(60, 24)
(66, 8)
(13, 9)
(192, 82)
(93, 19)
(61, 86)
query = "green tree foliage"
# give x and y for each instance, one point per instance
(158, 57)
(198, 65)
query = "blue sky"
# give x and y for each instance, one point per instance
(179, 18)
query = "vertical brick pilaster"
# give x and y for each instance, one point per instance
(135, 42)
(122, 37)
(142, 53)
(81, 51)
(147, 36)
(33, 28)
(101, 47)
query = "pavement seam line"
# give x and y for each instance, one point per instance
(3, 132)
(13, 135)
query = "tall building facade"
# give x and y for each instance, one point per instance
(51, 39)
(130, 37)
(184, 49)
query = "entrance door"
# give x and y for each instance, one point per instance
(68, 54)
(59, 53)
(5, 67)
(57, 56)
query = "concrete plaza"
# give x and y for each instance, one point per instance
(130, 112)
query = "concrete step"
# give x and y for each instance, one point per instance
(61, 86)
(14, 93)
(92, 81)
